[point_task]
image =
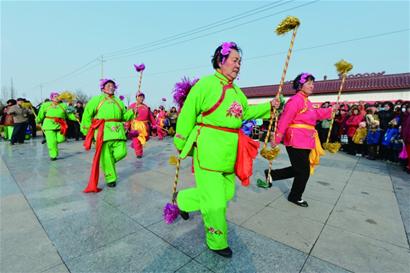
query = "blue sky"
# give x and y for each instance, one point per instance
(43, 42)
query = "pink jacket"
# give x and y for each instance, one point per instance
(299, 110)
(144, 113)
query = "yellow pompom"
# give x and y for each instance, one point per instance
(332, 147)
(270, 154)
(343, 67)
(172, 160)
(66, 96)
(288, 24)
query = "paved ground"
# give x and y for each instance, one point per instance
(358, 218)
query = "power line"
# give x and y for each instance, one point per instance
(215, 32)
(283, 52)
(198, 29)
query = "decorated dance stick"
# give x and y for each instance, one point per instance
(139, 68)
(171, 210)
(288, 24)
(343, 68)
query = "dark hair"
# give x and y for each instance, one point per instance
(111, 81)
(21, 99)
(217, 57)
(297, 85)
(141, 95)
(12, 101)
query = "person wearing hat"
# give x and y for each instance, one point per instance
(53, 115)
(102, 120)
(140, 125)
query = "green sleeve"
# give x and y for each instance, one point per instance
(127, 114)
(41, 113)
(188, 115)
(256, 111)
(88, 114)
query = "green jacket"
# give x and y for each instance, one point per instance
(50, 109)
(105, 107)
(216, 149)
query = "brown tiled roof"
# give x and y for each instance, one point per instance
(352, 84)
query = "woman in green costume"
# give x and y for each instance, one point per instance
(53, 115)
(208, 128)
(102, 120)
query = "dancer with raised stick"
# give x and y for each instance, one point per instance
(288, 24)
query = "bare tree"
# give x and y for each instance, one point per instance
(81, 96)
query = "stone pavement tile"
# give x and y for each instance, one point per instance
(141, 204)
(317, 211)
(315, 265)
(323, 191)
(26, 249)
(332, 174)
(17, 222)
(141, 251)
(77, 234)
(330, 161)
(61, 268)
(57, 202)
(241, 209)
(378, 181)
(377, 167)
(360, 254)
(300, 233)
(7, 185)
(381, 202)
(12, 204)
(193, 267)
(253, 252)
(370, 224)
(187, 236)
(254, 194)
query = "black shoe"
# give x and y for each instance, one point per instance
(53, 158)
(226, 252)
(184, 214)
(43, 141)
(300, 202)
(139, 156)
(112, 184)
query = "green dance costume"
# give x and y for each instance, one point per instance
(102, 120)
(207, 129)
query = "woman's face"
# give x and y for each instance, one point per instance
(109, 88)
(140, 99)
(307, 87)
(232, 65)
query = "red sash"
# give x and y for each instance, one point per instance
(63, 124)
(95, 169)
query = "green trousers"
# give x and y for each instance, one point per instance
(8, 132)
(112, 152)
(211, 195)
(53, 137)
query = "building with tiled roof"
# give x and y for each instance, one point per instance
(367, 87)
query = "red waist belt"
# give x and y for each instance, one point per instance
(95, 124)
(63, 124)
(246, 153)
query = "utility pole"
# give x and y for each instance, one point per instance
(102, 66)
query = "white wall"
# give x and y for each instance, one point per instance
(403, 94)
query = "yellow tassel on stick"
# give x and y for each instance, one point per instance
(172, 160)
(288, 24)
(342, 67)
(66, 96)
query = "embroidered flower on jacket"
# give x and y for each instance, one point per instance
(214, 231)
(235, 110)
